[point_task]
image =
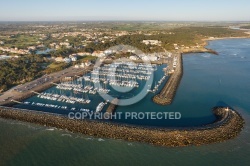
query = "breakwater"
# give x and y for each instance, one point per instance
(228, 125)
(207, 50)
(167, 94)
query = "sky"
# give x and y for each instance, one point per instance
(134, 10)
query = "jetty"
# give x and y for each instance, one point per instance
(111, 108)
(167, 94)
(228, 125)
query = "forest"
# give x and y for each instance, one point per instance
(187, 36)
(21, 70)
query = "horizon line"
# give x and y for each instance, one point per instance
(124, 20)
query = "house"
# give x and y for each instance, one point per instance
(59, 59)
(52, 45)
(131, 51)
(64, 44)
(98, 54)
(87, 63)
(73, 57)
(150, 58)
(31, 48)
(82, 65)
(133, 58)
(67, 60)
(151, 42)
(83, 53)
(107, 52)
(77, 66)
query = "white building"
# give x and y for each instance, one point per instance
(82, 65)
(83, 53)
(98, 54)
(77, 66)
(31, 48)
(73, 57)
(64, 44)
(107, 52)
(151, 42)
(67, 60)
(150, 58)
(59, 59)
(133, 58)
(87, 64)
(52, 45)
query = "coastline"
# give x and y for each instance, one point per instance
(232, 127)
(228, 125)
(167, 94)
(203, 49)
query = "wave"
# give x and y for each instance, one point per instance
(130, 144)
(206, 55)
(89, 138)
(69, 135)
(101, 140)
(52, 129)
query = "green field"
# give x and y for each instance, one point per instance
(20, 41)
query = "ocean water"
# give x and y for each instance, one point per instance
(208, 81)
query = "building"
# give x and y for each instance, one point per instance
(73, 57)
(64, 44)
(151, 42)
(83, 53)
(77, 66)
(52, 45)
(67, 60)
(87, 63)
(31, 48)
(150, 58)
(133, 58)
(107, 52)
(98, 54)
(59, 59)
(82, 65)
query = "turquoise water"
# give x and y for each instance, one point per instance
(208, 81)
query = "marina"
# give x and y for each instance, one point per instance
(83, 92)
(222, 116)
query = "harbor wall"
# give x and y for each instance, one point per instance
(228, 125)
(167, 94)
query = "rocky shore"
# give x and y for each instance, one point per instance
(203, 50)
(227, 126)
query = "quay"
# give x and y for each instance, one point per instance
(228, 125)
(111, 108)
(167, 94)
